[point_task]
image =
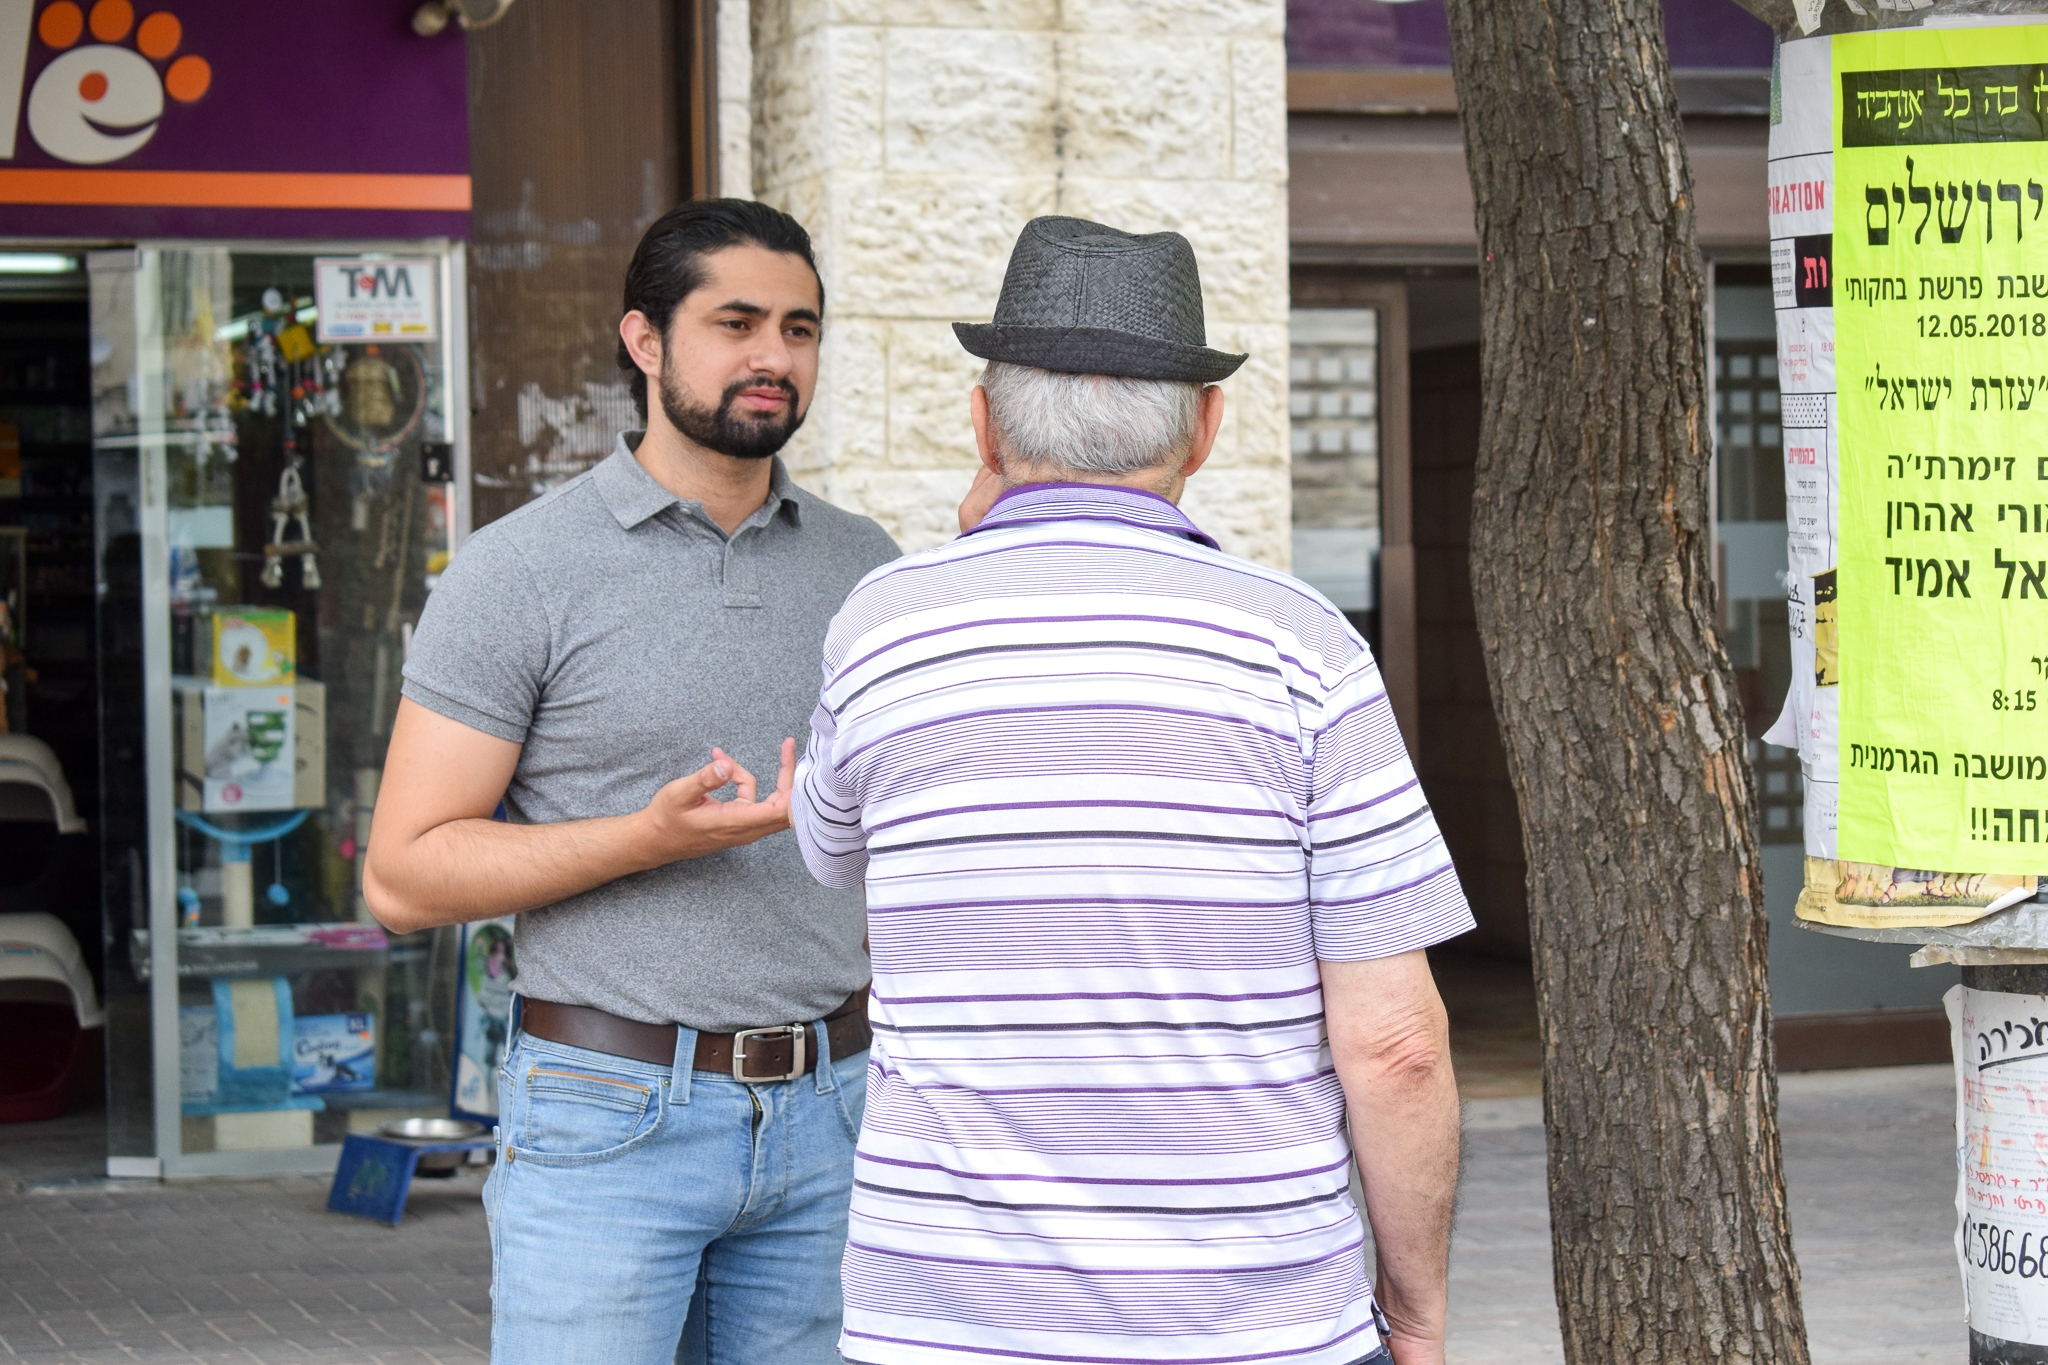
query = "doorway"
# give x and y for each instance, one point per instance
(46, 587)
(49, 677)
(1424, 438)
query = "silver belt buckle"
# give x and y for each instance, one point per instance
(797, 1034)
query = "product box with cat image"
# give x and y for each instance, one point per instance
(254, 646)
(250, 759)
(333, 1052)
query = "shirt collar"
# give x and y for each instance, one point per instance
(633, 494)
(1039, 502)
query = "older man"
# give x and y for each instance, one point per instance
(1149, 878)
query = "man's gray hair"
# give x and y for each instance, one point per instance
(1093, 423)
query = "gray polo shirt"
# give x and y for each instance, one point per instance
(616, 634)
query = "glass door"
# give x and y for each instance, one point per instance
(278, 434)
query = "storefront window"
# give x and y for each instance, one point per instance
(274, 453)
(1750, 477)
(1333, 408)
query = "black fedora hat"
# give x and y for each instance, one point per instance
(1087, 299)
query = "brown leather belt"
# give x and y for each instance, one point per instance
(756, 1055)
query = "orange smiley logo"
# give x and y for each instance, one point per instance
(101, 101)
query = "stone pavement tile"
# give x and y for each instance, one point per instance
(33, 1292)
(252, 1290)
(74, 1327)
(313, 1309)
(76, 1288)
(360, 1296)
(275, 1349)
(410, 1327)
(410, 1292)
(239, 1327)
(200, 1295)
(115, 1318)
(290, 1317)
(128, 1275)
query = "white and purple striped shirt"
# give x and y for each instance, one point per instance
(1113, 793)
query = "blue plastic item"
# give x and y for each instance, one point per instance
(244, 837)
(236, 846)
(253, 1089)
(375, 1174)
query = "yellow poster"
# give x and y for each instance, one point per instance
(1940, 298)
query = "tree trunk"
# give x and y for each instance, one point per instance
(1617, 705)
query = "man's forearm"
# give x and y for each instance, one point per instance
(478, 869)
(1404, 1130)
(426, 868)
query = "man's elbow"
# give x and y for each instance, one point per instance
(387, 907)
(1407, 1059)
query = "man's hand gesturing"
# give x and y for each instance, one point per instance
(684, 820)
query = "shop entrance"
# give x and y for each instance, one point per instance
(49, 693)
(1485, 977)
(1386, 406)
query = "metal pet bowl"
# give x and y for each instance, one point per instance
(434, 1130)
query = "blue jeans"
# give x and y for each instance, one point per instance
(625, 1191)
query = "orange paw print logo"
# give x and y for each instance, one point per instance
(101, 100)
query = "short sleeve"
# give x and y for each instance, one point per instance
(482, 647)
(1380, 878)
(825, 809)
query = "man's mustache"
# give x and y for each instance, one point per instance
(738, 387)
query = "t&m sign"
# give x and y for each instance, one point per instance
(223, 118)
(376, 299)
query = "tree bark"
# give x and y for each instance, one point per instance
(1618, 708)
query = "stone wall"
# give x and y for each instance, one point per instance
(735, 69)
(915, 137)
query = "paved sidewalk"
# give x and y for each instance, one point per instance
(94, 1270)
(1870, 1171)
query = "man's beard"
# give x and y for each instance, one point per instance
(726, 430)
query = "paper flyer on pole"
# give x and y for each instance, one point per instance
(2001, 1050)
(1908, 174)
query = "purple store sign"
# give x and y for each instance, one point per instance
(223, 118)
(1711, 34)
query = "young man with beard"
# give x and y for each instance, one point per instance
(679, 1107)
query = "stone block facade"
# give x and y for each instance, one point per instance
(915, 138)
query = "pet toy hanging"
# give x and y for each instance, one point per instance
(288, 507)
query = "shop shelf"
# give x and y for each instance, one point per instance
(270, 949)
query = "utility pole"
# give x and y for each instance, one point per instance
(1903, 160)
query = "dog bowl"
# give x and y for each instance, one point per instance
(434, 1130)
